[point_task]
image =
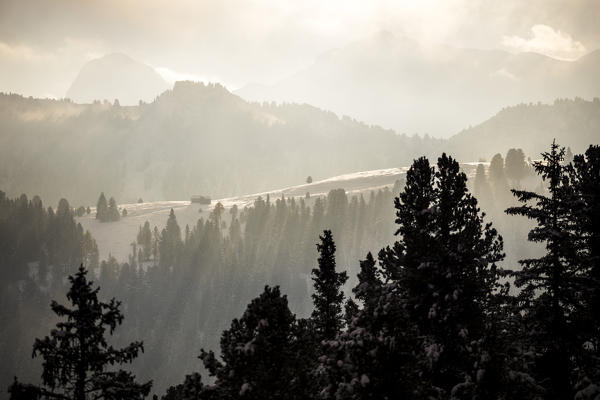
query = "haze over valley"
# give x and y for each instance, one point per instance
(300, 200)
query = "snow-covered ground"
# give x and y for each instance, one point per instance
(115, 238)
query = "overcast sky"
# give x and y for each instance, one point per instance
(43, 44)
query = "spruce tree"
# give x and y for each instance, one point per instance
(113, 211)
(170, 242)
(515, 166)
(498, 180)
(376, 357)
(445, 265)
(481, 187)
(258, 354)
(328, 298)
(551, 286)
(78, 361)
(102, 209)
(144, 239)
(585, 177)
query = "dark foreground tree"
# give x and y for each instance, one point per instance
(445, 266)
(260, 354)
(77, 357)
(552, 285)
(328, 297)
(376, 357)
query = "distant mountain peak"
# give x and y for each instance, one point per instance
(116, 76)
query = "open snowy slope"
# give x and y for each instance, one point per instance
(115, 238)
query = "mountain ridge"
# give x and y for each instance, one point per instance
(202, 139)
(116, 76)
(394, 82)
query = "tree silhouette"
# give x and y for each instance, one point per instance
(258, 353)
(515, 166)
(445, 265)
(77, 357)
(551, 285)
(102, 208)
(328, 298)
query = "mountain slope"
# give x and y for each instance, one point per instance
(116, 76)
(194, 139)
(532, 127)
(400, 84)
(201, 139)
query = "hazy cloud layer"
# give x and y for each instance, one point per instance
(547, 41)
(44, 44)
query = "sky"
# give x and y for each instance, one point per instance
(44, 44)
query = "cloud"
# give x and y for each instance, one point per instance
(546, 40)
(503, 73)
(16, 53)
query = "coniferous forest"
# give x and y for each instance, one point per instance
(300, 200)
(437, 313)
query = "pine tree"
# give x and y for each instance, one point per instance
(102, 209)
(328, 298)
(77, 358)
(481, 187)
(498, 180)
(144, 239)
(376, 357)
(258, 353)
(170, 242)
(585, 177)
(445, 265)
(551, 285)
(113, 210)
(515, 166)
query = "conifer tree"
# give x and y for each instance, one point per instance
(481, 187)
(170, 241)
(77, 357)
(376, 357)
(445, 264)
(328, 297)
(258, 353)
(102, 208)
(551, 286)
(585, 178)
(497, 177)
(113, 211)
(144, 239)
(515, 166)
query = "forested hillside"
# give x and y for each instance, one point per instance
(194, 139)
(453, 321)
(198, 139)
(182, 284)
(530, 127)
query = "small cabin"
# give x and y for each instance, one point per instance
(201, 199)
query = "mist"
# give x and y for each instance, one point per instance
(309, 200)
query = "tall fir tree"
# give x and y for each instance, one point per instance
(551, 285)
(377, 356)
(170, 242)
(445, 264)
(102, 208)
(78, 361)
(113, 210)
(585, 177)
(259, 354)
(328, 298)
(515, 166)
